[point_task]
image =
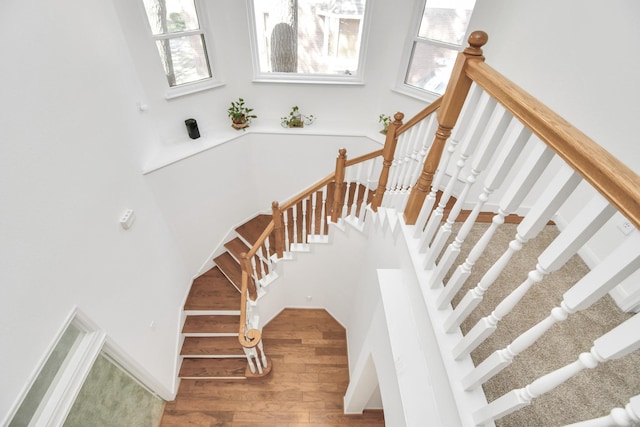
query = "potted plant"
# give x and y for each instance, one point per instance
(240, 114)
(386, 121)
(295, 119)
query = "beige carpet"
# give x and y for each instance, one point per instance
(592, 393)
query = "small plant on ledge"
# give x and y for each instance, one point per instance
(386, 121)
(240, 114)
(296, 120)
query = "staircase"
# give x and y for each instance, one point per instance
(211, 349)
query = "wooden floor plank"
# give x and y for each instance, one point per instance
(306, 386)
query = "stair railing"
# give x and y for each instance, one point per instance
(304, 219)
(500, 130)
(343, 195)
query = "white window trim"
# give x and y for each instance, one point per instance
(327, 79)
(61, 395)
(138, 35)
(412, 36)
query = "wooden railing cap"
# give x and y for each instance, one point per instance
(476, 40)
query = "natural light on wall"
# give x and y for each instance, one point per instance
(304, 38)
(180, 40)
(439, 38)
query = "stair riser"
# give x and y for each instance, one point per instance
(213, 312)
(209, 334)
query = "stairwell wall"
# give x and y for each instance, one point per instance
(69, 167)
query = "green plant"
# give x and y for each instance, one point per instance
(296, 120)
(386, 121)
(240, 114)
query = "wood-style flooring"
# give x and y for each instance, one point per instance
(310, 375)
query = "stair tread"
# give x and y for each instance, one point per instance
(213, 368)
(211, 324)
(252, 229)
(212, 291)
(236, 247)
(230, 267)
(211, 346)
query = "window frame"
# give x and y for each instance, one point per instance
(260, 76)
(413, 39)
(204, 24)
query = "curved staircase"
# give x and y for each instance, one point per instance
(211, 349)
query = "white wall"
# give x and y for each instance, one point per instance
(69, 167)
(578, 57)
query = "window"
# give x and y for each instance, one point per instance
(180, 40)
(50, 394)
(308, 39)
(440, 36)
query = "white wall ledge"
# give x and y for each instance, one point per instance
(177, 151)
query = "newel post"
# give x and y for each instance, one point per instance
(278, 229)
(387, 154)
(448, 114)
(338, 189)
(245, 264)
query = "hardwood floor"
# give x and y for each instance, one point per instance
(310, 375)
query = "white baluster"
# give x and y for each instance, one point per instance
(469, 144)
(264, 356)
(285, 222)
(536, 163)
(295, 225)
(314, 213)
(578, 232)
(323, 213)
(345, 205)
(255, 273)
(617, 343)
(629, 416)
(267, 255)
(490, 138)
(467, 113)
(619, 265)
(249, 355)
(304, 222)
(405, 173)
(564, 182)
(496, 176)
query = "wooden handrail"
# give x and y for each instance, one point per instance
(423, 114)
(304, 194)
(364, 158)
(608, 175)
